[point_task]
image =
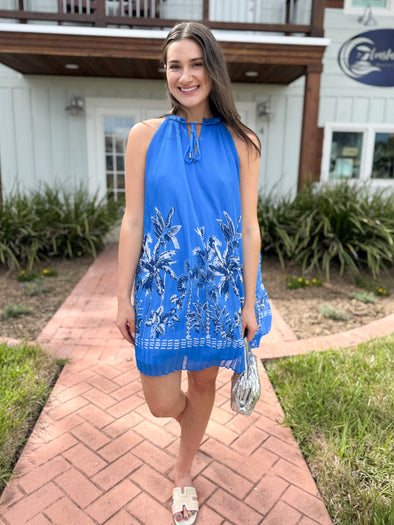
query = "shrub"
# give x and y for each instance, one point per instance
(275, 220)
(15, 310)
(324, 225)
(293, 283)
(37, 287)
(329, 312)
(363, 297)
(53, 222)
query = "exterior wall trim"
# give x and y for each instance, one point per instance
(159, 34)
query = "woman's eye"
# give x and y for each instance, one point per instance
(174, 66)
(198, 64)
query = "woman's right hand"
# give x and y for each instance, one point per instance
(125, 320)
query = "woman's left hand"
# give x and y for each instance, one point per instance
(249, 323)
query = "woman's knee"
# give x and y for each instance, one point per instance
(166, 407)
(203, 381)
(163, 394)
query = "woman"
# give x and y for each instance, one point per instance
(190, 176)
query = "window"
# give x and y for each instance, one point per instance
(379, 7)
(383, 156)
(358, 151)
(345, 158)
(116, 131)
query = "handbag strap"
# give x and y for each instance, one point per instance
(246, 356)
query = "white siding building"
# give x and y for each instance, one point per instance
(42, 142)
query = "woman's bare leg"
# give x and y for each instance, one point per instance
(194, 420)
(192, 411)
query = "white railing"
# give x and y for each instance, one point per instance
(216, 13)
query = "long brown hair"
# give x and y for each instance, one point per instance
(221, 100)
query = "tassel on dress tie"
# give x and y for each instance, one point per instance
(193, 152)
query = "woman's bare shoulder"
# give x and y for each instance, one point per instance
(143, 131)
(241, 146)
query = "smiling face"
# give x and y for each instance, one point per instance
(187, 78)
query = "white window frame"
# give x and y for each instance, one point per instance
(368, 144)
(96, 110)
(378, 11)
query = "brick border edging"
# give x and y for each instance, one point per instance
(349, 338)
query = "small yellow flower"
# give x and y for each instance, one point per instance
(380, 290)
(299, 279)
(314, 280)
(22, 272)
(306, 282)
(45, 271)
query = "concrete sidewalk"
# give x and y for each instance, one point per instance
(97, 456)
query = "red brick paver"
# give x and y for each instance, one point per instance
(97, 455)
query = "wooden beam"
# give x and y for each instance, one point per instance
(310, 136)
(337, 4)
(150, 48)
(317, 18)
(205, 11)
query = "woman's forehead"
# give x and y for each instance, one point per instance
(183, 49)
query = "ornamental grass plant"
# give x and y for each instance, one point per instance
(325, 225)
(53, 222)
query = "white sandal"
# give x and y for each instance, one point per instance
(187, 499)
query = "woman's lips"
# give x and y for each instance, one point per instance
(189, 90)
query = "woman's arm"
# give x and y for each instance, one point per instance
(251, 244)
(131, 231)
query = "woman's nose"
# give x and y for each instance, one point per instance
(186, 74)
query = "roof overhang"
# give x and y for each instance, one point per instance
(135, 53)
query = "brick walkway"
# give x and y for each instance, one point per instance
(97, 456)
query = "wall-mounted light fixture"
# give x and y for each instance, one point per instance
(251, 74)
(264, 109)
(76, 106)
(367, 17)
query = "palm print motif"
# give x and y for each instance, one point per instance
(214, 271)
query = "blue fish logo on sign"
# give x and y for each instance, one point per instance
(369, 57)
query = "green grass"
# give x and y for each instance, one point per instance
(340, 405)
(27, 374)
(15, 310)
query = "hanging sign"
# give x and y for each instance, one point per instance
(369, 57)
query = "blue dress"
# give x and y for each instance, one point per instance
(188, 290)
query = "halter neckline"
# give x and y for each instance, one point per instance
(205, 121)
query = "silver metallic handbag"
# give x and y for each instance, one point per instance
(245, 387)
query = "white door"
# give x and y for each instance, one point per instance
(108, 123)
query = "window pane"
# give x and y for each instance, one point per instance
(383, 156)
(108, 143)
(370, 3)
(116, 131)
(110, 181)
(109, 163)
(119, 163)
(120, 181)
(345, 154)
(120, 145)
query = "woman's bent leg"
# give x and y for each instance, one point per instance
(194, 420)
(163, 395)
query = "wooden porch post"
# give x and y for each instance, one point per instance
(308, 169)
